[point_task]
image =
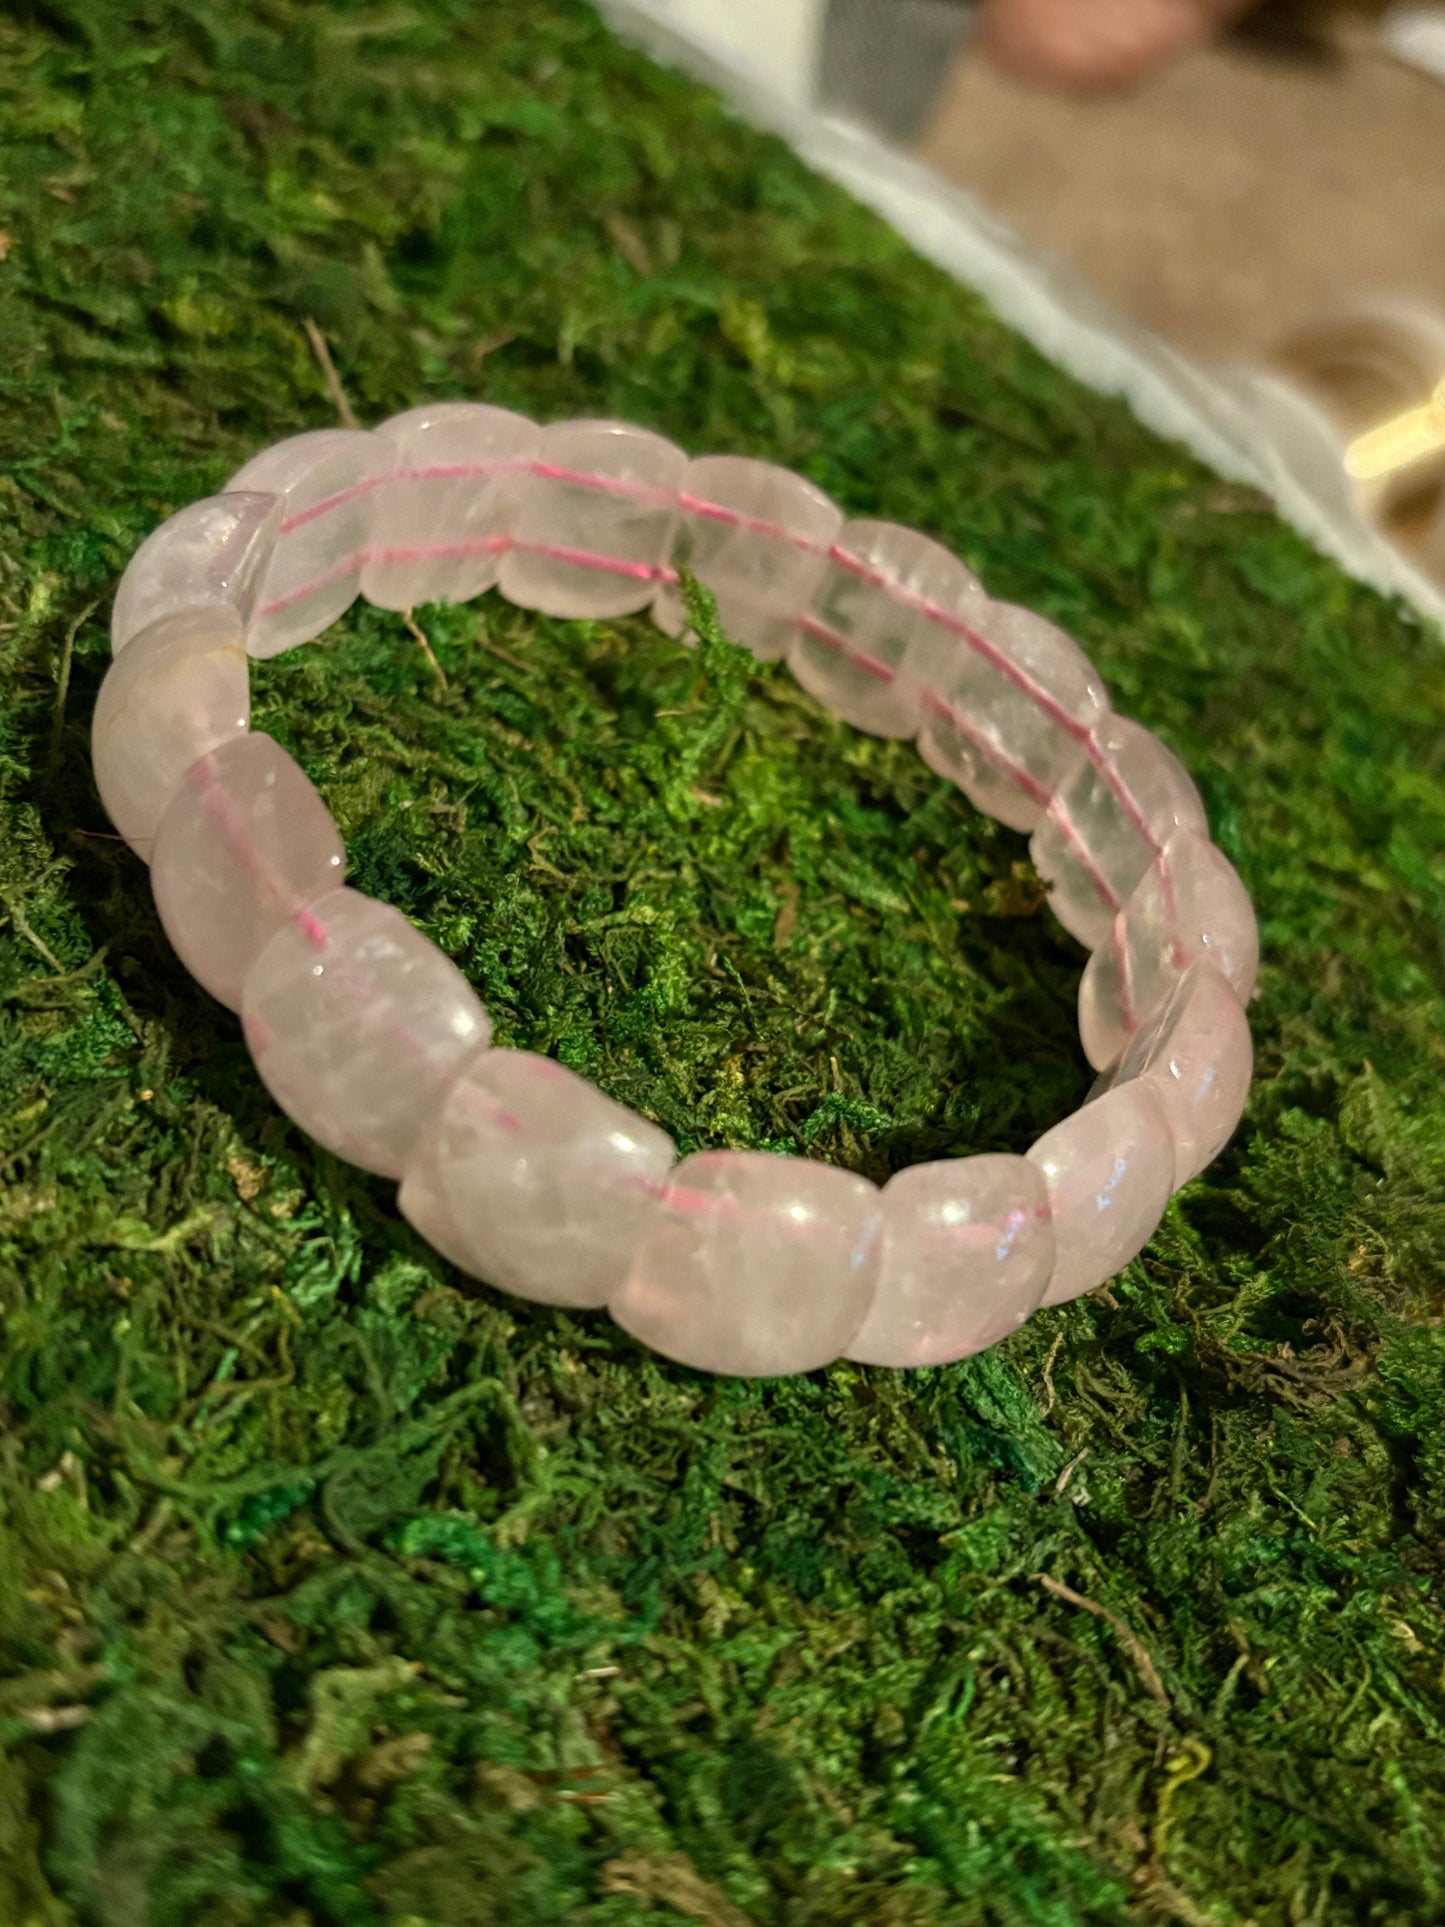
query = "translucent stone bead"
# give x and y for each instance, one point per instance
(1188, 905)
(1110, 1170)
(595, 520)
(968, 1251)
(441, 524)
(245, 846)
(176, 690)
(1196, 1058)
(212, 554)
(866, 618)
(535, 1181)
(358, 1025)
(325, 479)
(754, 1265)
(1108, 822)
(757, 536)
(1006, 717)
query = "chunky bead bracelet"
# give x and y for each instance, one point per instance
(517, 1170)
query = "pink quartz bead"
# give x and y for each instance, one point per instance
(535, 1181)
(758, 537)
(1188, 905)
(325, 480)
(1108, 822)
(1109, 1169)
(212, 554)
(869, 614)
(176, 690)
(245, 846)
(1196, 1058)
(441, 523)
(968, 1252)
(595, 520)
(1009, 711)
(754, 1265)
(359, 1025)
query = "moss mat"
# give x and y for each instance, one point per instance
(336, 1591)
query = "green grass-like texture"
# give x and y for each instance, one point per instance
(335, 1590)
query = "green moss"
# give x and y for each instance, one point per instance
(334, 1590)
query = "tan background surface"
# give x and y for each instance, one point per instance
(1232, 199)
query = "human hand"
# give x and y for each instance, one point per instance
(1088, 45)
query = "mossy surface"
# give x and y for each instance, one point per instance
(337, 1591)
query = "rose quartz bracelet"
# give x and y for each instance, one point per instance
(516, 1169)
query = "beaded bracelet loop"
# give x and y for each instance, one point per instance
(517, 1170)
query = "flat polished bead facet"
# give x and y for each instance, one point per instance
(758, 537)
(1007, 717)
(213, 554)
(441, 523)
(1109, 1170)
(595, 520)
(1108, 822)
(246, 844)
(754, 1265)
(176, 690)
(359, 1025)
(867, 617)
(1197, 1058)
(536, 1181)
(968, 1251)
(1188, 906)
(326, 480)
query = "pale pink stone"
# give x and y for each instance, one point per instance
(870, 612)
(1109, 1170)
(757, 536)
(595, 520)
(176, 690)
(1008, 712)
(424, 1208)
(535, 1181)
(245, 846)
(1196, 1057)
(359, 1025)
(968, 1251)
(440, 525)
(1108, 822)
(1188, 905)
(213, 554)
(326, 480)
(754, 1265)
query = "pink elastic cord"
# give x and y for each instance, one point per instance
(648, 495)
(1016, 773)
(1120, 945)
(489, 545)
